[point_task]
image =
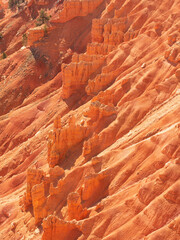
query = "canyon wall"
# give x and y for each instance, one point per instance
(89, 139)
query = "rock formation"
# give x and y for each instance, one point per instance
(89, 121)
(172, 54)
(75, 209)
(35, 34)
(55, 228)
(76, 8)
(77, 73)
(42, 2)
(63, 139)
(34, 177)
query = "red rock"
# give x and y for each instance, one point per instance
(172, 39)
(178, 74)
(98, 48)
(55, 227)
(34, 177)
(174, 225)
(42, 2)
(97, 112)
(94, 188)
(56, 173)
(35, 34)
(90, 145)
(75, 209)
(75, 8)
(113, 151)
(38, 202)
(131, 34)
(158, 28)
(62, 140)
(97, 30)
(101, 82)
(172, 54)
(76, 74)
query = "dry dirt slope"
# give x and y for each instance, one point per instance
(90, 139)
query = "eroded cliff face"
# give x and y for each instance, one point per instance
(90, 121)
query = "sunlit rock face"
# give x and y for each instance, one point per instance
(90, 120)
(75, 8)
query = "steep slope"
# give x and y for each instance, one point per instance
(89, 138)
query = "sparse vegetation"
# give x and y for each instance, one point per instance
(45, 30)
(14, 3)
(4, 55)
(11, 4)
(43, 18)
(24, 39)
(1, 36)
(1, 12)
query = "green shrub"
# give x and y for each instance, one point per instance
(24, 39)
(45, 30)
(11, 4)
(14, 3)
(43, 18)
(4, 55)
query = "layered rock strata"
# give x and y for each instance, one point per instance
(113, 149)
(76, 8)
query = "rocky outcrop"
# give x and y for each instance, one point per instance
(1, 11)
(158, 27)
(34, 177)
(158, 185)
(173, 54)
(175, 225)
(91, 145)
(178, 74)
(41, 2)
(76, 8)
(97, 30)
(56, 173)
(55, 228)
(100, 116)
(75, 208)
(172, 39)
(37, 189)
(109, 31)
(96, 48)
(77, 73)
(94, 188)
(106, 34)
(97, 111)
(113, 155)
(34, 35)
(129, 35)
(98, 84)
(63, 139)
(38, 202)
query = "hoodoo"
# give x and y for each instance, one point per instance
(89, 120)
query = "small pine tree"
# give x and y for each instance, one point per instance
(43, 18)
(14, 3)
(11, 4)
(45, 30)
(24, 39)
(4, 55)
